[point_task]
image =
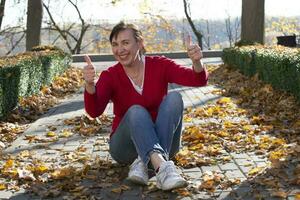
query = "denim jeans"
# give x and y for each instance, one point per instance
(137, 135)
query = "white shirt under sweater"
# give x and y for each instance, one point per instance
(136, 87)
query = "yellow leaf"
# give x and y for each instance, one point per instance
(66, 134)
(187, 119)
(277, 155)
(198, 146)
(61, 173)
(184, 152)
(125, 187)
(24, 154)
(223, 134)
(247, 127)
(255, 171)
(41, 169)
(224, 100)
(9, 163)
(51, 134)
(2, 186)
(117, 190)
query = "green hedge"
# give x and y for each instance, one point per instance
(24, 74)
(278, 65)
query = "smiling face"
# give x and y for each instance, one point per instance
(126, 48)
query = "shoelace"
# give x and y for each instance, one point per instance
(137, 165)
(168, 169)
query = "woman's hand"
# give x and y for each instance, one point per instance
(89, 75)
(195, 54)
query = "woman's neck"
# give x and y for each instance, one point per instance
(136, 67)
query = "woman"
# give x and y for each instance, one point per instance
(146, 130)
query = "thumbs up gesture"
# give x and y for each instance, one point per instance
(89, 72)
(193, 50)
(195, 54)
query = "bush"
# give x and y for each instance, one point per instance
(279, 66)
(24, 74)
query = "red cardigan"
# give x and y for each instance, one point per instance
(114, 85)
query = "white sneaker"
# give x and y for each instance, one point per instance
(138, 172)
(168, 178)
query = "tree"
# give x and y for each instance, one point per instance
(65, 32)
(253, 20)
(34, 23)
(2, 6)
(187, 12)
(208, 36)
(232, 30)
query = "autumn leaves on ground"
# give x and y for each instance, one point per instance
(250, 117)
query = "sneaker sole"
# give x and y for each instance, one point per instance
(179, 184)
(137, 180)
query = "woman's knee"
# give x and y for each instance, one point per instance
(136, 112)
(122, 158)
(174, 100)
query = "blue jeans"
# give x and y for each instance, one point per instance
(138, 135)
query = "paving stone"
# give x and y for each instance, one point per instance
(234, 174)
(69, 148)
(243, 191)
(5, 194)
(225, 195)
(194, 169)
(229, 166)
(193, 175)
(240, 155)
(72, 143)
(210, 168)
(257, 158)
(57, 146)
(261, 164)
(101, 154)
(244, 162)
(203, 196)
(246, 170)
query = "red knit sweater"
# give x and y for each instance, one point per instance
(114, 85)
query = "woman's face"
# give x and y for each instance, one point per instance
(126, 48)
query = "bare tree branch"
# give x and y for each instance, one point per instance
(66, 33)
(57, 28)
(197, 33)
(15, 44)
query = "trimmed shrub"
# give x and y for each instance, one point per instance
(278, 65)
(24, 74)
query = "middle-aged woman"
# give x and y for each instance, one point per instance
(146, 130)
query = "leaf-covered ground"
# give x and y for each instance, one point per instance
(249, 117)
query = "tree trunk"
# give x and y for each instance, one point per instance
(2, 6)
(253, 20)
(34, 23)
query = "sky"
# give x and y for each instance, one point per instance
(131, 9)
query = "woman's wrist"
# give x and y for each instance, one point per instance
(90, 88)
(198, 66)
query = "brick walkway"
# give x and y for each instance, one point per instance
(96, 145)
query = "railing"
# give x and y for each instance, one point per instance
(173, 55)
